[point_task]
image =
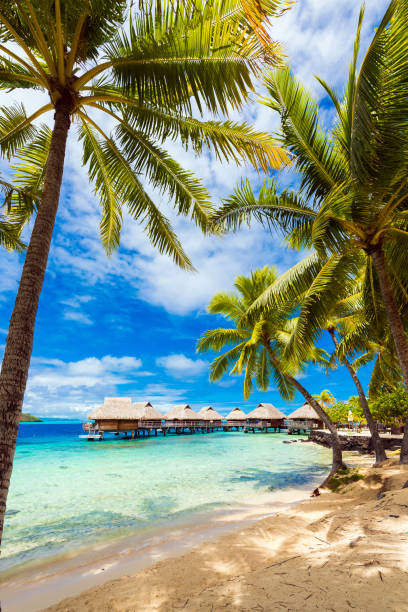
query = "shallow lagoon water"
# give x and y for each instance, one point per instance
(66, 493)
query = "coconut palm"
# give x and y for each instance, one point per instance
(363, 344)
(257, 345)
(305, 287)
(140, 75)
(354, 189)
(325, 397)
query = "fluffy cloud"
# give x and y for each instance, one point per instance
(73, 389)
(180, 366)
(54, 374)
(318, 38)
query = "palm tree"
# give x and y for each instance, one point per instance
(336, 307)
(141, 77)
(257, 344)
(354, 191)
(325, 397)
(363, 343)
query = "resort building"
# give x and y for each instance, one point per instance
(147, 415)
(182, 417)
(211, 418)
(115, 414)
(265, 416)
(236, 418)
(304, 419)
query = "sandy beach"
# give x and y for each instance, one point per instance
(340, 551)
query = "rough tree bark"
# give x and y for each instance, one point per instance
(372, 426)
(397, 328)
(337, 455)
(337, 460)
(17, 355)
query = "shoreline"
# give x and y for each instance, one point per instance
(46, 582)
(339, 551)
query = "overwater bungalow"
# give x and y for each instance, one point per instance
(182, 417)
(212, 418)
(116, 414)
(303, 419)
(148, 415)
(236, 418)
(265, 416)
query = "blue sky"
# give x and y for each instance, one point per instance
(128, 325)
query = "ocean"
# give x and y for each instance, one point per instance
(68, 493)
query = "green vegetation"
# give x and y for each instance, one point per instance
(325, 397)
(29, 418)
(258, 342)
(350, 210)
(143, 76)
(391, 408)
(340, 410)
(343, 478)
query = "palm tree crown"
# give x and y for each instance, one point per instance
(258, 342)
(128, 82)
(352, 202)
(141, 78)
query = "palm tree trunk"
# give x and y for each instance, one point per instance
(372, 426)
(337, 455)
(337, 460)
(397, 328)
(17, 355)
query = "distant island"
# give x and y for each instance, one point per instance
(29, 418)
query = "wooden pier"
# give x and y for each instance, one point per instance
(120, 417)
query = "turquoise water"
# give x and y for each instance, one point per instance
(66, 492)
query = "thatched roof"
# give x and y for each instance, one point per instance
(209, 414)
(236, 414)
(304, 412)
(182, 412)
(146, 412)
(266, 411)
(115, 408)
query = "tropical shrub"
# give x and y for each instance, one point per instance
(391, 408)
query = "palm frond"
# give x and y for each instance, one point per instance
(283, 211)
(217, 339)
(166, 175)
(16, 128)
(228, 140)
(315, 156)
(106, 187)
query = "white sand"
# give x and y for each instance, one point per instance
(341, 551)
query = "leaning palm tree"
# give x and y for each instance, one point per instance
(257, 344)
(354, 192)
(337, 307)
(141, 74)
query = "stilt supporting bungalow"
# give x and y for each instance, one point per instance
(182, 418)
(303, 420)
(236, 419)
(212, 420)
(265, 417)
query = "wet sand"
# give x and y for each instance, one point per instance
(340, 551)
(44, 583)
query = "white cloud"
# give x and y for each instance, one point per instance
(76, 301)
(227, 383)
(72, 389)
(180, 366)
(54, 374)
(318, 38)
(78, 317)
